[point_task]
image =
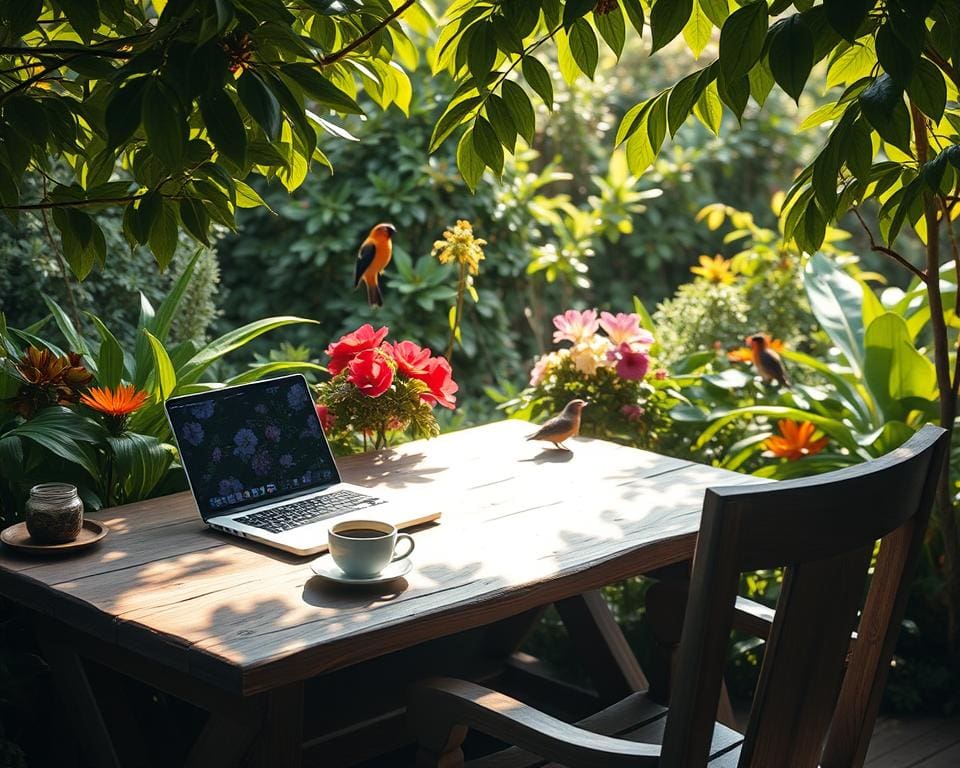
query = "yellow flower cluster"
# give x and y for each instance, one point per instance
(715, 270)
(460, 245)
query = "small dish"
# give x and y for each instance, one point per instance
(325, 568)
(17, 537)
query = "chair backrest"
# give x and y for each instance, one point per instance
(823, 530)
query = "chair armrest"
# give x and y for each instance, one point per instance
(441, 710)
(753, 618)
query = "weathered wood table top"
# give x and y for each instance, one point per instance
(521, 527)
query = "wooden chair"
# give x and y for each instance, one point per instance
(808, 710)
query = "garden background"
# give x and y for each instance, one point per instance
(186, 189)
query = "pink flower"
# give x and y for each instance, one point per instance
(660, 374)
(352, 344)
(370, 373)
(633, 412)
(631, 364)
(539, 369)
(442, 386)
(575, 326)
(624, 328)
(410, 358)
(326, 417)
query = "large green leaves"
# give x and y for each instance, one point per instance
(900, 378)
(837, 300)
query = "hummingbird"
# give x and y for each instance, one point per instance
(561, 427)
(767, 361)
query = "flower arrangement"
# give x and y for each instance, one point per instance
(608, 363)
(378, 389)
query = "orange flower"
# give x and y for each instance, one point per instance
(118, 403)
(797, 441)
(48, 380)
(745, 354)
(715, 270)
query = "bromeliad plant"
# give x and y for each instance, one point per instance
(380, 389)
(111, 440)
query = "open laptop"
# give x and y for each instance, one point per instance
(260, 467)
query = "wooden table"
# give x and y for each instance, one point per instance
(237, 629)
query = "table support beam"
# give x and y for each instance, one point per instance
(601, 646)
(70, 679)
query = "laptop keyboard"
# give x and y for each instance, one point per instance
(306, 511)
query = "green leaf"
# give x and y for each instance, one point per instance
(110, 370)
(219, 347)
(837, 300)
(521, 110)
(257, 372)
(583, 47)
(224, 126)
(321, 89)
(487, 145)
(832, 427)
(698, 31)
(896, 58)
(847, 16)
(123, 113)
(791, 55)
(163, 236)
(741, 39)
(928, 90)
(165, 124)
(539, 79)
(247, 197)
(716, 10)
(667, 20)
(260, 102)
(75, 341)
(468, 160)
(576, 9)
(883, 106)
(708, 108)
(481, 52)
(612, 29)
(455, 113)
(898, 376)
(499, 116)
(164, 376)
(141, 461)
(83, 15)
(195, 219)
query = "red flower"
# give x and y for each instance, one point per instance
(442, 386)
(370, 372)
(326, 417)
(631, 364)
(411, 359)
(352, 344)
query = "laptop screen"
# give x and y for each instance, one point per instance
(243, 444)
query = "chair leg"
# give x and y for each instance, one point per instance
(437, 750)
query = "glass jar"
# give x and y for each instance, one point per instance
(54, 513)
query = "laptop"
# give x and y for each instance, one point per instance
(260, 467)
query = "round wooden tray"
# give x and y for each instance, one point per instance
(17, 537)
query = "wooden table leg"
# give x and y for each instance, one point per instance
(281, 732)
(604, 650)
(70, 679)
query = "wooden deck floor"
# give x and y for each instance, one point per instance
(915, 743)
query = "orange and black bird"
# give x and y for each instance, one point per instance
(374, 255)
(766, 360)
(561, 427)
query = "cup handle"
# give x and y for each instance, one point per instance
(403, 537)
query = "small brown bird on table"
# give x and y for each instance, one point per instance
(561, 427)
(766, 360)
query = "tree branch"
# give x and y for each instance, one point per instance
(64, 50)
(330, 58)
(875, 246)
(48, 204)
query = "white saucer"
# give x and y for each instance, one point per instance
(325, 568)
